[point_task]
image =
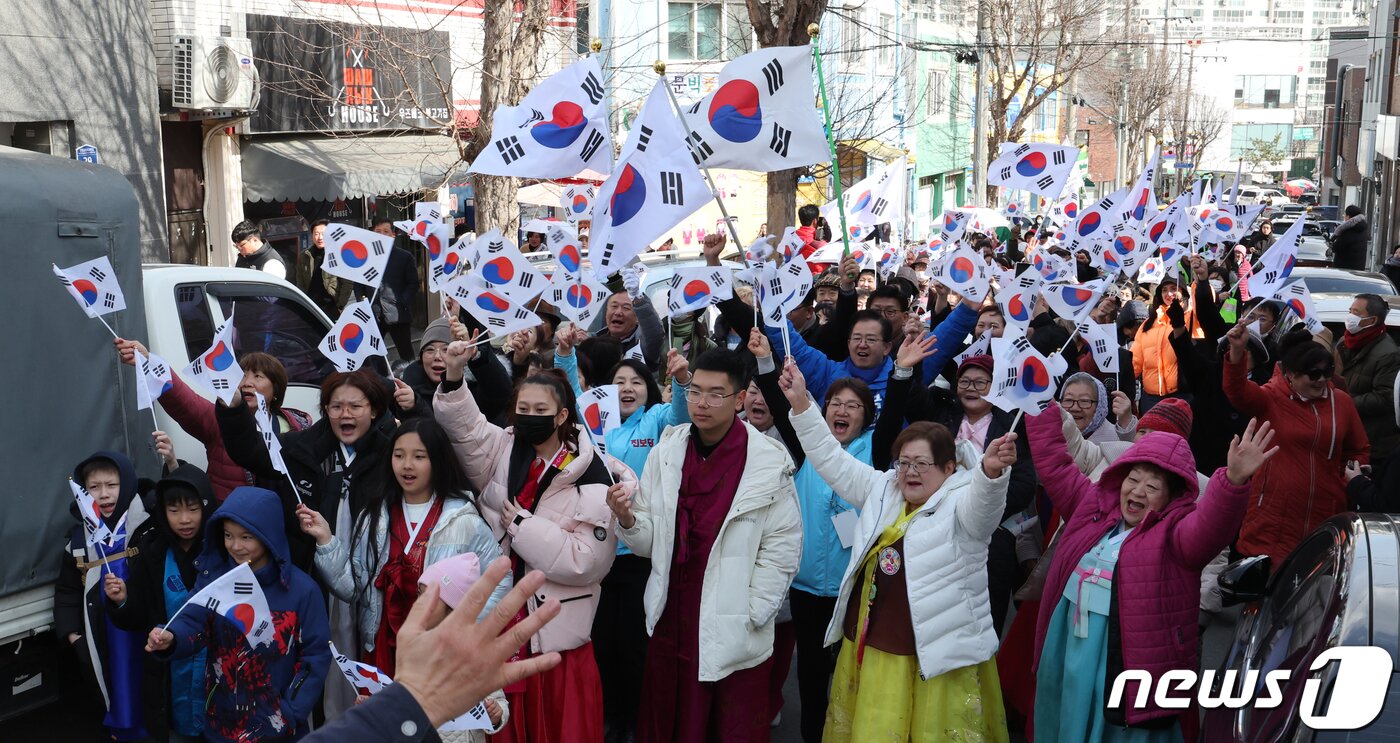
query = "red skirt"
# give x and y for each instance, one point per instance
(561, 705)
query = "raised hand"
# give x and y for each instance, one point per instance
(677, 367)
(794, 387)
(456, 356)
(1238, 338)
(459, 331)
(313, 524)
(1249, 452)
(404, 396)
(620, 501)
(165, 448)
(915, 349)
(450, 308)
(849, 271)
(1001, 453)
(126, 350)
(1122, 407)
(758, 344)
(567, 338)
(711, 247)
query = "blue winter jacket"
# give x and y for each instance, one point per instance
(821, 371)
(823, 558)
(265, 693)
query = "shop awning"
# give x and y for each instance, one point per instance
(876, 149)
(329, 168)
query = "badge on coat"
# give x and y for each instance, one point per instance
(600, 533)
(889, 560)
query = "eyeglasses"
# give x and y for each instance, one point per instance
(915, 467)
(868, 340)
(336, 408)
(709, 399)
(1316, 374)
(853, 407)
(980, 385)
(1071, 403)
(887, 311)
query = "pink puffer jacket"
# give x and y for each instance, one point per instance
(1157, 581)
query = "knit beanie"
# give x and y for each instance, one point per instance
(1172, 415)
(438, 331)
(454, 576)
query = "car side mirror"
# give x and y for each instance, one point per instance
(1244, 581)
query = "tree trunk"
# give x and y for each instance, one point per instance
(782, 198)
(508, 68)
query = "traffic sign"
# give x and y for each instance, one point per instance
(87, 153)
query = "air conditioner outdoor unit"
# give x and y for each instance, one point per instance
(213, 73)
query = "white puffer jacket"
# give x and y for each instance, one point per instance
(945, 546)
(752, 563)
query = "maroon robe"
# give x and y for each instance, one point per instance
(676, 705)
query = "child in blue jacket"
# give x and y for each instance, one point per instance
(264, 693)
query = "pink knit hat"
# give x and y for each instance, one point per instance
(454, 576)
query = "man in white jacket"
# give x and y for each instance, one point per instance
(716, 512)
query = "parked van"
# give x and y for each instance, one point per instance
(1255, 195)
(67, 394)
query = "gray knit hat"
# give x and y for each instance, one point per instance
(438, 331)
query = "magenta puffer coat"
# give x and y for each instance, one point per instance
(1157, 581)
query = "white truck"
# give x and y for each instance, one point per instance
(68, 395)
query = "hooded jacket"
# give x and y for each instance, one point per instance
(78, 601)
(1156, 583)
(750, 567)
(145, 605)
(567, 534)
(268, 692)
(945, 546)
(1302, 485)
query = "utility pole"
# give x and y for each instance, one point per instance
(979, 127)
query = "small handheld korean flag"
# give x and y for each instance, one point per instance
(983, 345)
(268, 429)
(1073, 302)
(237, 597)
(783, 290)
(366, 679)
(559, 129)
(354, 338)
(1153, 270)
(1095, 224)
(1102, 340)
(1296, 297)
(93, 285)
(965, 273)
(1139, 205)
(697, 288)
(562, 241)
(598, 406)
(655, 185)
(761, 250)
(955, 222)
(154, 379)
(216, 369)
(492, 309)
(356, 255)
(790, 244)
(577, 202)
(444, 259)
(1276, 265)
(835, 250)
(1037, 167)
(1017, 297)
(501, 267)
(427, 215)
(879, 197)
(1022, 379)
(580, 298)
(93, 525)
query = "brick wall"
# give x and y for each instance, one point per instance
(1103, 146)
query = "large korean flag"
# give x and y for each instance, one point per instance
(1035, 166)
(763, 116)
(656, 184)
(559, 130)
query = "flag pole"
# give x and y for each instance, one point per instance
(814, 30)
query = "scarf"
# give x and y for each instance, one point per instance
(398, 580)
(1101, 392)
(1356, 342)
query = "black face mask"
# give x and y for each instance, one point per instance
(534, 429)
(821, 307)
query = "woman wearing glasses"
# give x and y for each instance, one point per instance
(1319, 432)
(1100, 417)
(912, 615)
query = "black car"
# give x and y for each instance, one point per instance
(1339, 587)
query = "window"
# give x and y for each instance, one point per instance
(1241, 135)
(1081, 138)
(937, 92)
(851, 42)
(887, 44)
(269, 319)
(707, 30)
(1265, 91)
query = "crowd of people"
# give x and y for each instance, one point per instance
(841, 491)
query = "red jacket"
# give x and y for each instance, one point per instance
(1302, 485)
(1157, 581)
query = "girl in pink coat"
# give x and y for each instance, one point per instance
(1124, 583)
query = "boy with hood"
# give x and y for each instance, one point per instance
(158, 583)
(267, 692)
(110, 656)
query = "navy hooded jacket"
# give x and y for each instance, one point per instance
(267, 692)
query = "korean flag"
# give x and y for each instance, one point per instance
(579, 298)
(965, 273)
(697, 288)
(1102, 340)
(366, 679)
(1095, 224)
(599, 410)
(354, 338)
(217, 369)
(562, 241)
(559, 129)
(500, 266)
(444, 259)
(1023, 379)
(93, 285)
(492, 308)
(1073, 301)
(1017, 298)
(655, 185)
(879, 198)
(1296, 297)
(783, 290)
(763, 115)
(237, 597)
(93, 525)
(153, 379)
(1037, 167)
(355, 254)
(267, 428)
(577, 202)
